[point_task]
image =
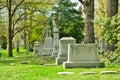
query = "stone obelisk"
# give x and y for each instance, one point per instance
(55, 35)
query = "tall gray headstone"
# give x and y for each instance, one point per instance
(48, 46)
(63, 49)
(55, 36)
(83, 56)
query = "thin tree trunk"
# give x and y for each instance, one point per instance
(25, 30)
(9, 29)
(17, 46)
(24, 38)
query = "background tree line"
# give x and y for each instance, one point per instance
(27, 20)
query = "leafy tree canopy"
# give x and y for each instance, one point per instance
(70, 20)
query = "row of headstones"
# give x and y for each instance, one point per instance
(73, 55)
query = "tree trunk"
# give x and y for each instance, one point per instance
(112, 8)
(9, 29)
(17, 46)
(24, 38)
(89, 21)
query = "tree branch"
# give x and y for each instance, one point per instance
(17, 30)
(81, 1)
(17, 7)
(18, 19)
(2, 7)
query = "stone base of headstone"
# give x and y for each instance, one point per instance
(61, 58)
(60, 61)
(83, 56)
(83, 64)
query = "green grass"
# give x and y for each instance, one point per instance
(35, 71)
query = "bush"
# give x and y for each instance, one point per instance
(111, 35)
(3, 42)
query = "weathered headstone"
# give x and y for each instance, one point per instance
(83, 56)
(38, 48)
(63, 49)
(48, 46)
(55, 36)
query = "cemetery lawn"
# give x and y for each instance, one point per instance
(12, 69)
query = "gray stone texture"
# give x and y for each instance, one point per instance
(88, 73)
(38, 48)
(55, 45)
(65, 73)
(48, 46)
(63, 49)
(82, 56)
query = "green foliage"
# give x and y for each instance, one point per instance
(36, 34)
(110, 29)
(36, 20)
(112, 57)
(3, 42)
(70, 20)
(111, 35)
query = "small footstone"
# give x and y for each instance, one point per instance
(50, 65)
(109, 72)
(65, 73)
(41, 63)
(12, 64)
(25, 62)
(88, 73)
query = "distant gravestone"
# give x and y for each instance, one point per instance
(38, 48)
(55, 36)
(48, 46)
(83, 56)
(63, 49)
